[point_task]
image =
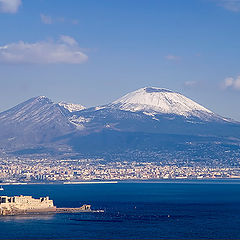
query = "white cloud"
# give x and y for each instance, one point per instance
(68, 40)
(172, 57)
(232, 83)
(46, 19)
(9, 6)
(66, 50)
(228, 82)
(231, 5)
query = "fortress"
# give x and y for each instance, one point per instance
(11, 205)
(27, 204)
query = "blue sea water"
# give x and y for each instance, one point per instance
(159, 210)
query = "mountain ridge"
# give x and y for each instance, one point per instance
(145, 112)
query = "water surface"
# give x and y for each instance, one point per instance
(170, 210)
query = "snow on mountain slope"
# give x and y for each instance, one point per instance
(152, 101)
(35, 110)
(71, 107)
(37, 119)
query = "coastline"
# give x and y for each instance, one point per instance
(56, 183)
(169, 181)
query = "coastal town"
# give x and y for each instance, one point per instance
(46, 170)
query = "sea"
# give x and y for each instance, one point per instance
(132, 210)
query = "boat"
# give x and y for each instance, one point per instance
(1, 188)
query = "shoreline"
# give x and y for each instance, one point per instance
(56, 183)
(206, 180)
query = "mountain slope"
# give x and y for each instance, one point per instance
(36, 120)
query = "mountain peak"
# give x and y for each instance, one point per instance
(160, 101)
(41, 99)
(38, 119)
(155, 90)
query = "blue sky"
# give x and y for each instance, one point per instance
(92, 52)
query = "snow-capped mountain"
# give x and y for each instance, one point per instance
(71, 107)
(153, 101)
(148, 110)
(150, 121)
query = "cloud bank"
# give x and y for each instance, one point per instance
(232, 83)
(65, 50)
(9, 6)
